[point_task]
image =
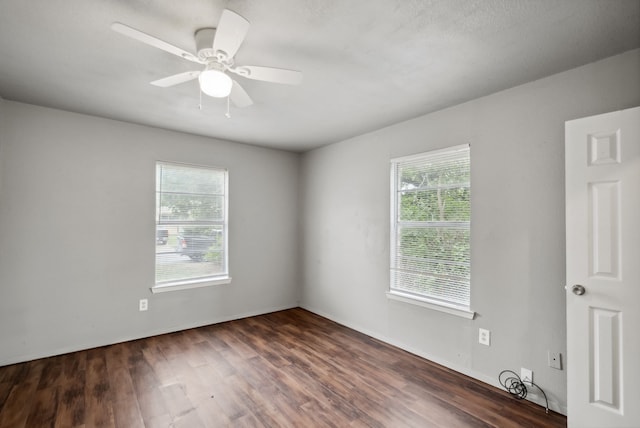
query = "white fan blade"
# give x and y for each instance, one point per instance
(176, 79)
(239, 96)
(269, 74)
(231, 31)
(153, 41)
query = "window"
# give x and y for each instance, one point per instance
(430, 236)
(191, 226)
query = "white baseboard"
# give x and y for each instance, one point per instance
(539, 400)
(448, 364)
(90, 345)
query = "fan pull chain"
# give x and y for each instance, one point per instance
(200, 103)
(228, 113)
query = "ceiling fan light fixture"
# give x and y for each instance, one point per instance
(215, 83)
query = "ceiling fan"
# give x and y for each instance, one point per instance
(215, 50)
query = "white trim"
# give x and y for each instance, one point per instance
(427, 303)
(192, 165)
(467, 371)
(426, 300)
(90, 344)
(186, 285)
(431, 153)
(393, 233)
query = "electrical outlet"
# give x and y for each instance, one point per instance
(526, 375)
(484, 337)
(555, 360)
(144, 305)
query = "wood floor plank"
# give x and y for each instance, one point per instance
(181, 409)
(219, 397)
(119, 360)
(71, 405)
(149, 371)
(98, 400)
(17, 407)
(285, 369)
(44, 408)
(71, 386)
(155, 358)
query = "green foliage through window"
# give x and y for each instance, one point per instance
(431, 229)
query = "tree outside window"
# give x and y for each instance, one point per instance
(431, 227)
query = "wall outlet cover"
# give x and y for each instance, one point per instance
(526, 375)
(484, 337)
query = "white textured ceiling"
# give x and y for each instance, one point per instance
(366, 63)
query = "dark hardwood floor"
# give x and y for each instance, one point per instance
(285, 369)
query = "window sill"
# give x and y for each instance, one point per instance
(426, 303)
(186, 285)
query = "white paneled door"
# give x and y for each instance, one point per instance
(602, 156)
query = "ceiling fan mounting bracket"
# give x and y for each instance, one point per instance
(204, 42)
(204, 38)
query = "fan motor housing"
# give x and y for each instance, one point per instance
(204, 43)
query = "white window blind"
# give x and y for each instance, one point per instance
(430, 248)
(191, 223)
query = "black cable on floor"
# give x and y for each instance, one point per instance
(517, 387)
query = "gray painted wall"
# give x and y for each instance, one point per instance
(76, 227)
(77, 232)
(518, 233)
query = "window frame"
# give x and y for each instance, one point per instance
(407, 297)
(206, 281)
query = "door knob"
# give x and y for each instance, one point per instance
(578, 290)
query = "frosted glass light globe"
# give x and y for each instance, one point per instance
(215, 83)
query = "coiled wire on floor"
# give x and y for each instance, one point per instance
(518, 387)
